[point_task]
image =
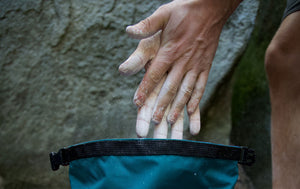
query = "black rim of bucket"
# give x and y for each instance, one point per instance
(144, 147)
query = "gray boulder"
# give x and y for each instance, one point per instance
(59, 83)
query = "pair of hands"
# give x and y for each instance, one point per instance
(177, 47)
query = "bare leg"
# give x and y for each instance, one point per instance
(283, 70)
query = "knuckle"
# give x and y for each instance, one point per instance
(166, 62)
(172, 51)
(155, 76)
(137, 58)
(196, 100)
(176, 51)
(201, 43)
(192, 107)
(162, 8)
(179, 105)
(146, 23)
(172, 89)
(186, 90)
(201, 91)
(172, 117)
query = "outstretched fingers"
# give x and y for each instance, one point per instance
(145, 112)
(150, 25)
(161, 129)
(167, 93)
(177, 127)
(183, 95)
(159, 66)
(195, 122)
(197, 92)
(134, 63)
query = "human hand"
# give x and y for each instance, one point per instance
(140, 58)
(189, 38)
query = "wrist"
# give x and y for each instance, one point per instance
(223, 7)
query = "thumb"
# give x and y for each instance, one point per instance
(144, 53)
(133, 64)
(150, 25)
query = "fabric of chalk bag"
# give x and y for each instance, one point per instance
(151, 164)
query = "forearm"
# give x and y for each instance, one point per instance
(223, 8)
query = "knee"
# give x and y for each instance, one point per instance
(273, 59)
(282, 66)
(277, 63)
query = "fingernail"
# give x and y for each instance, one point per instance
(171, 118)
(134, 32)
(191, 109)
(155, 120)
(129, 28)
(157, 117)
(132, 29)
(132, 65)
(138, 101)
(122, 69)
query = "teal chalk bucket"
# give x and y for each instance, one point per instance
(151, 164)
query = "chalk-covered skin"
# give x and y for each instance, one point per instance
(180, 40)
(144, 113)
(190, 31)
(139, 59)
(144, 53)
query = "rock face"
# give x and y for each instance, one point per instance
(59, 83)
(232, 44)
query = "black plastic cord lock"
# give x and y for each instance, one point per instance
(247, 156)
(58, 159)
